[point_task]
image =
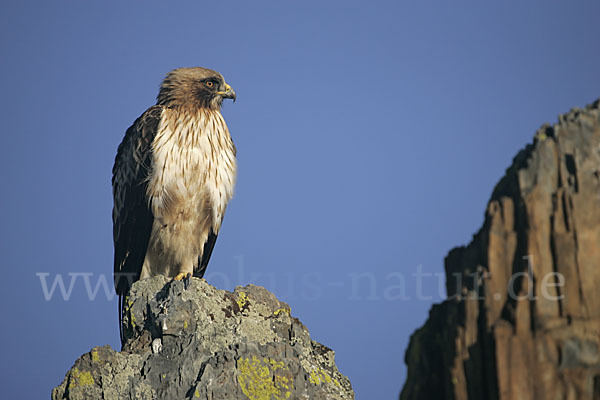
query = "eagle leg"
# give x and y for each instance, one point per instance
(181, 276)
(185, 277)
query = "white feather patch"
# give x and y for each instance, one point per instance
(191, 181)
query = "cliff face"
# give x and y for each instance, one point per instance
(522, 319)
(192, 341)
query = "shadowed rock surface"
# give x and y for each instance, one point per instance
(205, 343)
(541, 236)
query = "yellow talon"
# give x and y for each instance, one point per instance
(181, 276)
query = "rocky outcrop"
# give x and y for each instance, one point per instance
(188, 340)
(522, 319)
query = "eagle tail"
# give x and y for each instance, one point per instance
(121, 333)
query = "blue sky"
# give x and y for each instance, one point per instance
(369, 136)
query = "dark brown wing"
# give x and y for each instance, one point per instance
(132, 218)
(206, 253)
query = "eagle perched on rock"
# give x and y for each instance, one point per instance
(173, 176)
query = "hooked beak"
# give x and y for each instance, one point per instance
(228, 93)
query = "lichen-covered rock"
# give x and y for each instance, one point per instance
(189, 340)
(523, 316)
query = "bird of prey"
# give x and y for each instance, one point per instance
(173, 176)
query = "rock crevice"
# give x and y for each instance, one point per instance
(522, 319)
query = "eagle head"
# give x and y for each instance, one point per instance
(194, 87)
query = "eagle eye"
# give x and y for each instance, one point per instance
(209, 83)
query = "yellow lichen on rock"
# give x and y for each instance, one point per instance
(80, 378)
(242, 300)
(264, 379)
(131, 315)
(281, 310)
(541, 136)
(320, 376)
